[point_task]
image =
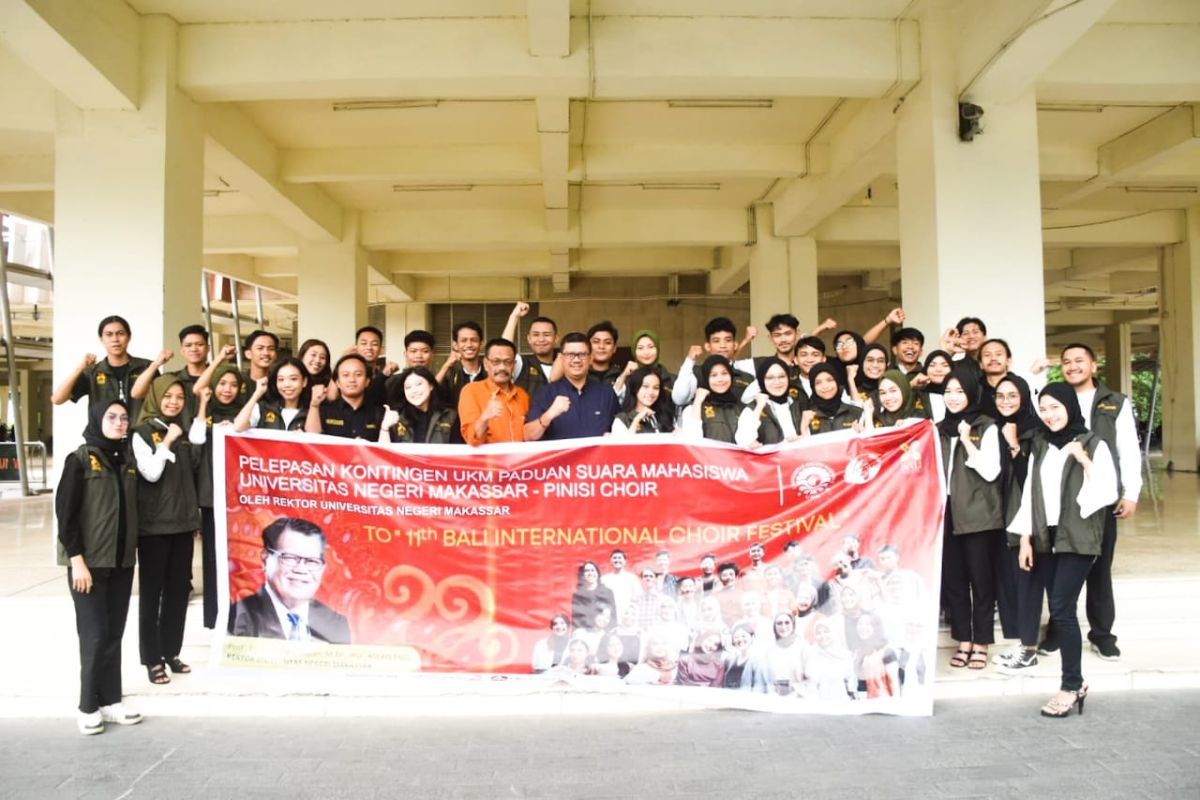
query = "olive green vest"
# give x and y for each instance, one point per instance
(769, 431)
(720, 422)
(1106, 405)
(171, 504)
(442, 425)
(1076, 534)
(843, 420)
(100, 512)
(975, 504)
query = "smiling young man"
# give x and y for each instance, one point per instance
(534, 369)
(351, 415)
(286, 607)
(1108, 414)
(110, 378)
(464, 364)
(603, 338)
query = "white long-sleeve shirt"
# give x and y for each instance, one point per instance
(1099, 488)
(748, 423)
(1129, 453)
(151, 463)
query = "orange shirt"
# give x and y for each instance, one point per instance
(508, 427)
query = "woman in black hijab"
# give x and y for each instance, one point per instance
(775, 416)
(714, 413)
(974, 517)
(1072, 480)
(826, 410)
(864, 381)
(1017, 420)
(938, 365)
(96, 506)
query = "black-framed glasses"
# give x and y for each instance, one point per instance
(292, 561)
(575, 356)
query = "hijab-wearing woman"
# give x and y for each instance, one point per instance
(894, 401)
(705, 664)
(415, 413)
(714, 413)
(1018, 421)
(775, 416)
(216, 406)
(826, 410)
(828, 665)
(314, 354)
(647, 407)
(168, 517)
(974, 517)
(1072, 480)
(96, 506)
(937, 368)
(280, 402)
(658, 664)
(864, 381)
(549, 652)
(646, 349)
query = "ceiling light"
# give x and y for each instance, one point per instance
(383, 105)
(681, 187)
(716, 103)
(1162, 189)
(1078, 108)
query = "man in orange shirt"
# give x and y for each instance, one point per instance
(493, 410)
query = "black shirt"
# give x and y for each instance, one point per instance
(339, 418)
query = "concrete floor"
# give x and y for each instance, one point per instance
(1157, 569)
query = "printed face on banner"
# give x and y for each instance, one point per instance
(660, 564)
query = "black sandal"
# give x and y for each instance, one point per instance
(177, 666)
(157, 674)
(960, 658)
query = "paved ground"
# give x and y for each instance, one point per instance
(1127, 744)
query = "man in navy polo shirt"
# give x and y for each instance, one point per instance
(574, 406)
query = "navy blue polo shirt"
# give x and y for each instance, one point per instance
(591, 412)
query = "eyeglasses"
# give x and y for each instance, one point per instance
(502, 362)
(575, 356)
(291, 561)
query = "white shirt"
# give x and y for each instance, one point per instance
(1099, 488)
(625, 587)
(986, 459)
(288, 415)
(748, 423)
(1129, 454)
(151, 463)
(285, 624)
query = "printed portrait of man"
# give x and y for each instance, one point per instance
(293, 558)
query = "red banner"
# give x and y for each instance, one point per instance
(798, 577)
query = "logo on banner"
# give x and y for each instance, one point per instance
(863, 468)
(812, 478)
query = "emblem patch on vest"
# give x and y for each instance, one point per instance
(400, 429)
(710, 412)
(270, 417)
(101, 379)
(95, 463)
(156, 438)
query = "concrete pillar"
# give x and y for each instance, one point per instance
(399, 319)
(1118, 350)
(970, 212)
(783, 277)
(332, 289)
(128, 194)
(1180, 343)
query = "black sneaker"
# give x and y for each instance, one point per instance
(1046, 647)
(1107, 650)
(1019, 661)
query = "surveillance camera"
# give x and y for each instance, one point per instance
(968, 121)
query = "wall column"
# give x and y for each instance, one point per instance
(128, 209)
(399, 320)
(332, 289)
(1179, 339)
(970, 212)
(783, 278)
(1118, 350)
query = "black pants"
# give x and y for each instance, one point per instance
(100, 620)
(164, 584)
(969, 583)
(1005, 562)
(1031, 589)
(1064, 581)
(208, 561)
(1101, 608)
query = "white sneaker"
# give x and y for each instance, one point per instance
(120, 714)
(1008, 655)
(90, 724)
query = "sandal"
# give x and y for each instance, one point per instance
(960, 658)
(1058, 708)
(978, 660)
(177, 666)
(158, 674)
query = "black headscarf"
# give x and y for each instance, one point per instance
(970, 385)
(93, 434)
(725, 398)
(864, 384)
(1025, 418)
(931, 387)
(823, 406)
(1065, 394)
(760, 372)
(860, 348)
